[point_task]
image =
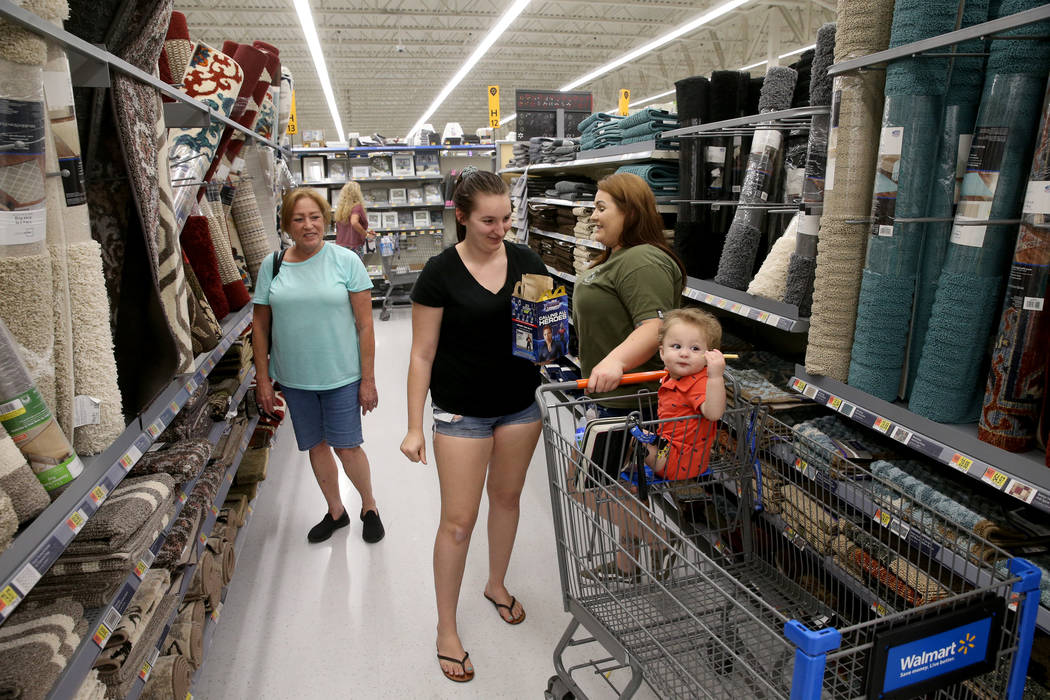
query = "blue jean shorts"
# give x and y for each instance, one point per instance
(331, 415)
(472, 427)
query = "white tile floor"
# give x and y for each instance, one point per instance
(348, 619)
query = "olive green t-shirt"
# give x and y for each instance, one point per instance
(610, 300)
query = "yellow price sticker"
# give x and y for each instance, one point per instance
(144, 671)
(127, 461)
(995, 477)
(834, 402)
(882, 425)
(75, 521)
(961, 462)
(880, 609)
(98, 493)
(798, 384)
(101, 635)
(8, 596)
(762, 317)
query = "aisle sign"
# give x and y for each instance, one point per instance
(625, 102)
(494, 106)
(292, 127)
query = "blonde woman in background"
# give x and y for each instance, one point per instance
(351, 219)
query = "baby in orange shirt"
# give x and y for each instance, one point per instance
(694, 385)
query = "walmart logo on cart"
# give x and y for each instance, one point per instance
(929, 659)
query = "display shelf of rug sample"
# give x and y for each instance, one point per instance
(393, 148)
(108, 617)
(432, 205)
(384, 178)
(768, 207)
(564, 275)
(40, 544)
(795, 119)
(614, 155)
(664, 205)
(985, 30)
(410, 231)
(766, 311)
(568, 239)
(1021, 476)
(158, 651)
(83, 50)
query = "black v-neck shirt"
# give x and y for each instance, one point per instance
(475, 373)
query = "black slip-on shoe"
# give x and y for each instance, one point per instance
(373, 530)
(324, 529)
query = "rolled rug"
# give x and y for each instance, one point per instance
(27, 494)
(914, 108)
(862, 28)
(960, 114)
(182, 426)
(232, 285)
(177, 44)
(693, 95)
(226, 195)
(120, 682)
(56, 246)
(171, 677)
(180, 641)
(949, 383)
(199, 249)
(227, 558)
(261, 173)
(92, 688)
(204, 327)
(30, 424)
(215, 79)
(8, 520)
(257, 245)
(803, 264)
(771, 279)
(1013, 394)
(229, 159)
(153, 587)
(252, 62)
(742, 242)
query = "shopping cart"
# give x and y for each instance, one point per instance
(781, 571)
(399, 280)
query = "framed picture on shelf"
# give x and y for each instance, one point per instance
(337, 170)
(375, 220)
(421, 218)
(437, 219)
(432, 194)
(389, 220)
(415, 195)
(427, 163)
(404, 220)
(403, 166)
(313, 168)
(360, 172)
(380, 166)
(398, 196)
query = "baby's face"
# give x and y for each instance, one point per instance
(683, 350)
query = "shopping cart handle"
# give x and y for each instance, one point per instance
(632, 378)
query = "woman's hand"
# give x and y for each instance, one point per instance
(367, 395)
(605, 376)
(414, 446)
(264, 395)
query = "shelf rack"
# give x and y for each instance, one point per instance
(796, 119)
(978, 31)
(385, 207)
(385, 178)
(563, 275)
(91, 646)
(399, 148)
(664, 205)
(37, 547)
(104, 61)
(1021, 476)
(772, 313)
(615, 155)
(220, 498)
(568, 239)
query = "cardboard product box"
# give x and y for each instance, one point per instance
(540, 318)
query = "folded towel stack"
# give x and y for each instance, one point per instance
(36, 644)
(99, 559)
(521, 155)
(551, 150)
(574, 190)
(601, 130)
(584, 257)
(662, 178)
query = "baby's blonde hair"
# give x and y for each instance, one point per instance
(349, 197)
(698, 318)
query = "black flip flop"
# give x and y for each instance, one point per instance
(509, 609)
(467, 675)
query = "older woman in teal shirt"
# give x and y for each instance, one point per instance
(317, 313)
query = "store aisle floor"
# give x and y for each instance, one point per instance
(348, 619)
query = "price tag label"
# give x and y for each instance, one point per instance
(882, 425)
(100, 636)
(127, 461)
(961, 462)
(883, 517)
(98, 494)
(735, 308)
(722, 303)
(797, 384)
(878, 608)
(140, 569)
(834, 402)
(901, 435)
(76, 521)
(203, 538)
(182, 497)
(722, 549)
(995, 477)
(155, 428)
(763, 317)
(145, 670)
(189, 696)
(709, 298)
(214, 510)
(8, 598)
(191, 385)
(215, 615)
(174, 407)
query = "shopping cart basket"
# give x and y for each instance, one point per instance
(775, 573)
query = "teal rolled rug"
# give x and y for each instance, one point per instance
(950, 381)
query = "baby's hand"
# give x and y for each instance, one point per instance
(716, 363)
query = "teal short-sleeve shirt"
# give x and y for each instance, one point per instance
(314, 341)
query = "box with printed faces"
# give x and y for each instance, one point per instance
(540, 319)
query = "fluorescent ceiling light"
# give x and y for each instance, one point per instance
(497, 30)
(306, 19)
(707, 17)
(642, 101)
(783, 55)
(508, 120)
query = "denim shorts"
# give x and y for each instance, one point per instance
(472, 427)
(331, 415)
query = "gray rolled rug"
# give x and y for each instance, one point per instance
(28, 497)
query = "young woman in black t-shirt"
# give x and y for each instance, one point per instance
(486, 421)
